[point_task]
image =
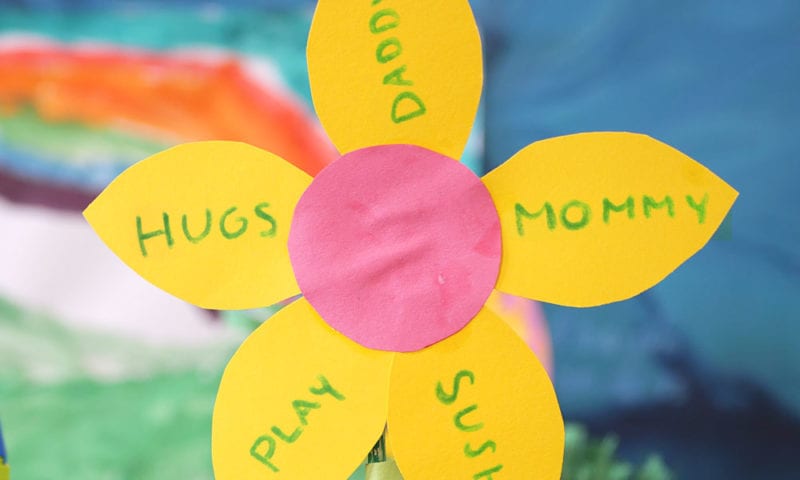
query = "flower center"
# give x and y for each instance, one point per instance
(397, 247)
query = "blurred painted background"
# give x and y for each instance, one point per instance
(102, 376)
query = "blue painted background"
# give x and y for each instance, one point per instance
(706, 366)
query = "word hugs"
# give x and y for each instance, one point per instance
(194, 228)
(265, 446)
(407, 104)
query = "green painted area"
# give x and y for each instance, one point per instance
(156, 424)
(73, 142)
(153, 428)
(152, 423)
(587, 458)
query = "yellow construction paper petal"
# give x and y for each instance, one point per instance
(387, 72)
(477, 405)
(298, 400)
(594, 218)
(207, 222)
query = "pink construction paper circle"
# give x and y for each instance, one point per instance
(397, 247)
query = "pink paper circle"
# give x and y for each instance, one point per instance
(397, 247)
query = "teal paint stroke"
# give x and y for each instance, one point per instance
(148, 420)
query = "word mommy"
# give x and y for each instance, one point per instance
(264, 447)
(577, 215)
(231, 224)
(469, 425)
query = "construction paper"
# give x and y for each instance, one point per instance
(385, 72)
(594, 218)
(298, 401)
(397, 247)
(207, 222)
(476, 406)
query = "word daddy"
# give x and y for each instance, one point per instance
(263, 448)
(407, 104)
(460, 422)
(229, 225)
(577, 215)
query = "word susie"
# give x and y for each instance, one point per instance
(230, 226)
(407, 104)
(577, 215)
(264, 447)
(461, 423)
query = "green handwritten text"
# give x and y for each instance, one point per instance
(196, 229)
(468, 427)
(264, 447)
(407, 104)
(576, 215)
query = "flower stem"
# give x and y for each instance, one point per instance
(379, 465)
(378, 452)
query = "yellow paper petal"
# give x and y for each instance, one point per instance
(298, 400)
(207, 222)
(387, 72)
(595, 218)
(477, 405)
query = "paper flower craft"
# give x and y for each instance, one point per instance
(395, 247)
